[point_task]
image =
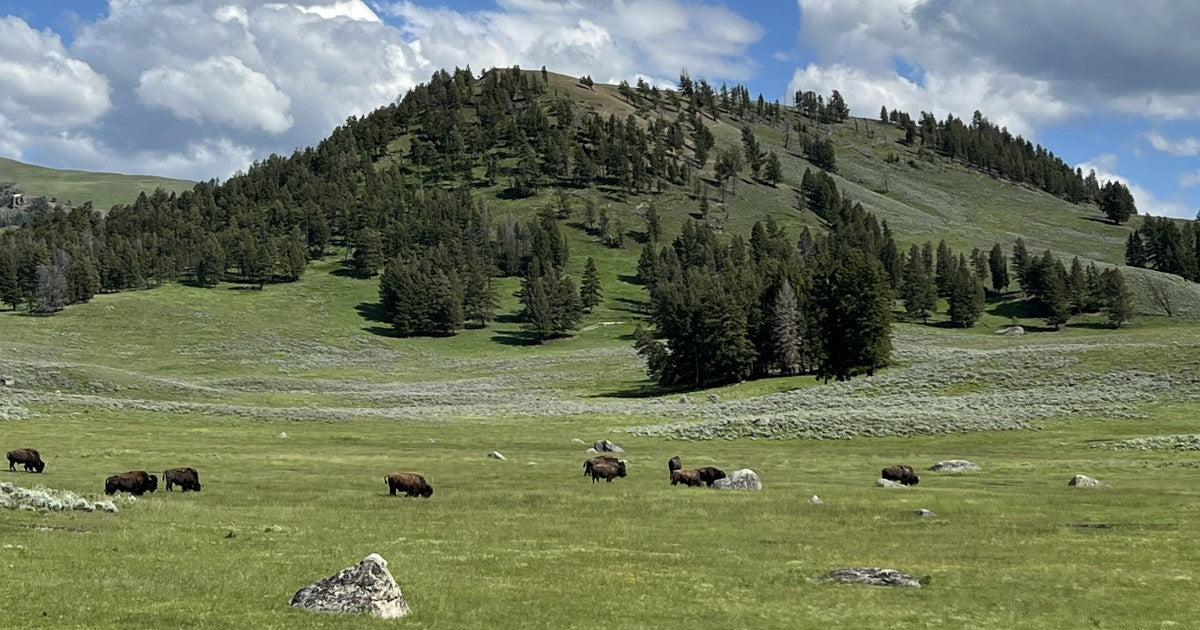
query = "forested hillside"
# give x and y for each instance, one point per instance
(764, 239)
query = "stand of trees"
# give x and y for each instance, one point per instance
(1166, 245)
(725, 311)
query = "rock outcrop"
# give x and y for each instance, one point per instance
(744, 479)
(871, 576)
(367, 587)
(954, 465)
(1084, 481)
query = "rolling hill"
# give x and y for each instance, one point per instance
(77, 187)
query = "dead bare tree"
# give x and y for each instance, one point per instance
(1160, 293)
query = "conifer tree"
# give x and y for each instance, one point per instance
(773, 173)
(1135, 250)
(1077, 288)
(10, 289)
(785, 332)
(1020, 264)
(979, 263)
(589, 290)
(653, 225)
(1116, 202)
(368, 253)
(852, 317)
(998, 266)
(1118, 303)
(918, 291)
(1056, 296)
(479, 296)
(945, 267)
(966, 295)
(50, 292)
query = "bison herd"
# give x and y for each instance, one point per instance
(606, 467)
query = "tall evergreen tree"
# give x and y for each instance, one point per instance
(1057, 296)
(479, 296)
(966, 295)
(945, 268)
(918, 291)
(852, 317)
(1020, 264)
(589, 290)
(1077, 288)
(998, 266)
(1118, 303)
(773, 171)
(1135, 250)
(50, 293)
(10, 289)
(1116, 202)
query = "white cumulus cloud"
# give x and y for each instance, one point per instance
(1184, 147)
(217, 89)
(43, 85)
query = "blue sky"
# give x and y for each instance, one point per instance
(201, 88)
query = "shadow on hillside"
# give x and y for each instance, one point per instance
(507, 318)
(627, 279)
(1091, 326)
(1103, 220)
(1015, 309)
(636, 307)
(645, 389)
(344, 270)
(372, 312)
(515, 338)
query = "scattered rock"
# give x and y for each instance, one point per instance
(496, 455)
(888, 483)
(576, 441)
(744, 479)
(431, 440)
(683, 400)
(591, 451)
(367, 587)
(712, 398)
(533, 463)
(1084, 481)
(605, 446)
(872, 577)
(923, 513)
(815, 500)
(283, 435)
(1011, 331)
(954, 465)
(7, 381)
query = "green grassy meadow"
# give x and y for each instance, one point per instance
(210, 378)
(77, 187)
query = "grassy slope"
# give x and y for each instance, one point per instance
(103, 189)
(514, 544)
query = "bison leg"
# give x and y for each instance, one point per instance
(12, 465)
(392, 490)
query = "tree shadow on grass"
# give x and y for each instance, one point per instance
(644, 389)
(635, 307)
(344, 270)
(1019, 309)
(518, 338)
(1091, 326)
(627, 279)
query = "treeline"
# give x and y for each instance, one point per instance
(994, 150)
(725, 311)
(1166, 245)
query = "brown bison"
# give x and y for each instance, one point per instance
(709, 474)
(689, 478)
(607, 471)
(903, 474)
(588, 463)
(185, 478)
(135, 482)
(411, 484)
(674, 464)
(28, 457)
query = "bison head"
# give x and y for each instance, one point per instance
(39, 465)
(153, 485)
(621, 468)
(427, 492)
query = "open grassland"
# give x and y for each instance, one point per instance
(528, 542)
(77, 187)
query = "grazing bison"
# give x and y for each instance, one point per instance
(709, 474)
(900, 473)
(674, 464)
(28, 457)
(185, 478)
(689, 478)
(607, 471)
(135, 482)
(587, 464)
(411, 484)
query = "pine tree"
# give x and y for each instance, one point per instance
(50, 293)
(479, 297)
(1077, 288)
(368, 253)
(773, 173)
(210, 262)
(1116, 202)
(589, 291)
(1057, 297)
(852, 317)
(785, 332)
(1135, 250)
(653, 225)
(998, 266)
(1118, 303)
(647, 263)
(1020, 264)
(10, 288)
(918, 290)
(979, 263)
(966, 296)
(945, 267)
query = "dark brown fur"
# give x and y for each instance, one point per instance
(709, 474)
(607, 471)
(28, 457)
(901, 473)
(185, 478)
(674, 464)
(587, 464)
(689, 478)
(136, 482)
(411, 484)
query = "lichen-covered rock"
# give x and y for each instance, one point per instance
(1012, 331)
(924, 513)
(605, 446)
(744, 479)
(954, 465)
(815, 500)
(888, 483)
(367, 587)
(496, 455)
(871, 576)
(1084, 481)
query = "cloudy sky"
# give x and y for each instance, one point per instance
(200, 88)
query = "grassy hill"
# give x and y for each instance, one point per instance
(77, 187)
(295, 401)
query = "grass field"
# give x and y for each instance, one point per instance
(76, 187)
(211, 378)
